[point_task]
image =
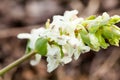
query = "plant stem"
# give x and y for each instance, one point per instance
(17, 62)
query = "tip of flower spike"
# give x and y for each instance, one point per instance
(91, 33)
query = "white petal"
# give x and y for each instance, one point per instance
(38, 31)
(115, 16)
(85, 49)
(53, 50)
(36, 61)
(24, 36)
(33, 41)
(76, 54)
(105, 16)
(74, 42)
(67, 50)
(51, 67)
(66, 60)
(70, 14)
(62, 40)
(93, 39)
(52, 63)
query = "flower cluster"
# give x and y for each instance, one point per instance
(66, 37)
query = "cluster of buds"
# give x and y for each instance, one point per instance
(67, 36)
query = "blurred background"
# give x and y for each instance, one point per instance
(18, 16)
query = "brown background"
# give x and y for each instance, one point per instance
(18, 16)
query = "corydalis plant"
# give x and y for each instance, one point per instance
(67, 36)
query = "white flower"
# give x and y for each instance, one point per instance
(67, 23)
(54, 58)
(68, 50)
(78, 47)
(64, 40)
(33, 36)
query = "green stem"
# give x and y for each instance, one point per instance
(17, 62)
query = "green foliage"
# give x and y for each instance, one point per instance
(41, 46)
(28, 49)
(91, 17)
(101, 39)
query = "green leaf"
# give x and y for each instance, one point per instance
(41, 46)
(116, 30)
(28, 49)
(101, 40)
(111, 36)
(94, 26)
(91, 17)
(62, 54)
(84, 35)
(114, 20)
